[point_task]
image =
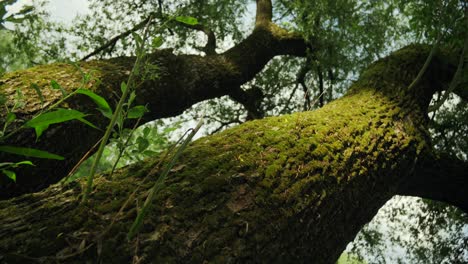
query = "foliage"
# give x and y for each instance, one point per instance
(146, 141)
(440, 231)
(449, 128)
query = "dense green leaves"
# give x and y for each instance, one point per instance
(187, 20)
(43, 121)
(136, 111)
(102, 104)
(5, 168)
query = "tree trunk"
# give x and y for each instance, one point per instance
(289, 189)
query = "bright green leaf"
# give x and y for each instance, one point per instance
(30, 152)
(55, 85)
(187, 20)
(10, 117)
(82, 120)
(157, 42)
(38, 91)
(102, 104)
(42, 122)
(123, 87)
(137, 111)
(24, 162)
(137, 38)
(9, 174)
(131, 98)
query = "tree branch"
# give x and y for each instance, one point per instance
(111, 43)
(442, 178)
(251, 100)
(264, 13)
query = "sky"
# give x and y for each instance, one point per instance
(61, 10)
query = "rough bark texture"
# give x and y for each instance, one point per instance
(289, 189)
(170, 84)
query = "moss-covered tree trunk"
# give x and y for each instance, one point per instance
(289, 189)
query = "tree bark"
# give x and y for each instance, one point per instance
(289, 189)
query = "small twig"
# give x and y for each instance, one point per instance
(455, 80)
(426, 64)
(113, 41)
(160, 183)
(78, 164)
(124, 147)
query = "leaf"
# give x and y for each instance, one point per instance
(26, 10)
(14, 19)
(30, 152)
(187, 20)
(131, 98)
(136, 112)
(3, 99)
(19, 102)
(146, 131)
(39, 93)
(24, 162)
(149, 153)
(10, 174)
(157, 42)
(10, 118)
(102, 104)
(4, 164)
(55, 85)
(17, 164)
(123, 87)
(137, 37)
(42, 122)
(120, 120)
(143, 144)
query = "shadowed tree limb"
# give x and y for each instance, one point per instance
(251, 100)
(443, 178)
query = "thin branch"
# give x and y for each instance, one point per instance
(111, 43)
(321, 89)
(456, 78)
(225, 124)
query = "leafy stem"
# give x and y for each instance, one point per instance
(126, 87)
